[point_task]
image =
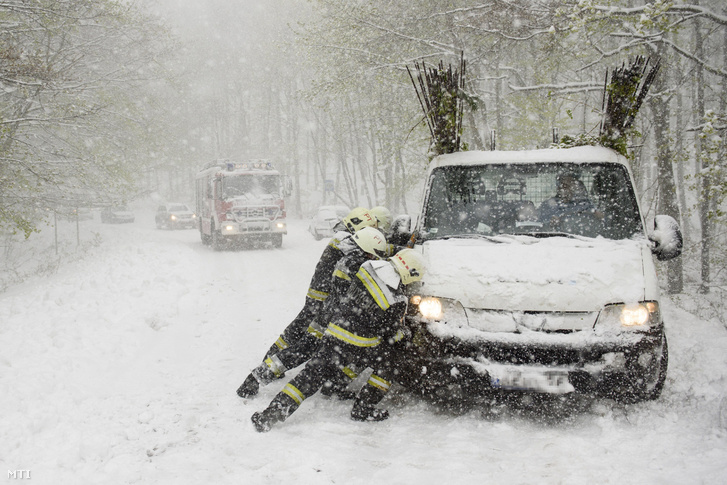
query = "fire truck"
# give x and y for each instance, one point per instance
(240, 202)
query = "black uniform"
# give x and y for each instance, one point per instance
(363, 331)
(272, 367)
(304, 348)
(320, 285)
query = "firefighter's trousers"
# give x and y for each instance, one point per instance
(327, 364)
(297, 329)
(297, 354)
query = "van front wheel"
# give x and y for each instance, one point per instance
(646, 377)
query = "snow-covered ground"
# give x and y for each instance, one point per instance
(122, 368)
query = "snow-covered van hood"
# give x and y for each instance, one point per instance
(521, 273)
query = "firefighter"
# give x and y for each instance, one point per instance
(366, 327)
(373, 246)
(370, 244)
(340, 245)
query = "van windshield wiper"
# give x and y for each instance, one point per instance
(544, 234)
(495, 239)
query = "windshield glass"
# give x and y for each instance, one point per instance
(539, 199)
(251, 186)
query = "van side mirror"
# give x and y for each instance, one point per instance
(667, 238)
(400, 230)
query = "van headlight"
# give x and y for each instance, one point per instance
(431, 308)
(638, 317)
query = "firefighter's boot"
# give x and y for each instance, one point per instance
(265, 420)
(279, 409)
(248, 388)
(364, 406)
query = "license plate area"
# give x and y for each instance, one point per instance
(523, 378)
(257, 225)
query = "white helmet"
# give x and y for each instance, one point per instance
(383, 215)
(409, 264)
(371, 241)
(357, 219)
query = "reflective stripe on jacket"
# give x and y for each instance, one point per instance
(351, 338)
(379, 291)
(340, 245)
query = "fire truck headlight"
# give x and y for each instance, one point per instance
(229, 228)
(280, 225)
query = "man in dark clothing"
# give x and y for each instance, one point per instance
(569, 205)
(369, 244)
(340, 245)
(373, 246)
(367, 325)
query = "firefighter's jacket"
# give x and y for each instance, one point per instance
(340, 245)
(343, 273)
(373, 308)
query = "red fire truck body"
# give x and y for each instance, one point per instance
(240, 202)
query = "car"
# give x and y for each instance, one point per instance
(326, 217)
(540, 276)
(175, 215)
(118, 214)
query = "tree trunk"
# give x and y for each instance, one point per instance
(667, 197)
(702, 162)
(398, 198)
(294, 167)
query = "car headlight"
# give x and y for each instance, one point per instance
(173, 217)
(638, 317)
(431, 308)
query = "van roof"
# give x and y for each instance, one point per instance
(584, 154)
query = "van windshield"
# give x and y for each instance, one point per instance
(538, 199)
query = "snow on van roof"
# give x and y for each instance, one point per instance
(584, 154)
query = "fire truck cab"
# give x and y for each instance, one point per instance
(239, 202)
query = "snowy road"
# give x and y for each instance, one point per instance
(122, 368)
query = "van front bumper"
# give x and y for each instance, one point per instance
(543, 362)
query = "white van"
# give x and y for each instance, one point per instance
(540, 275)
